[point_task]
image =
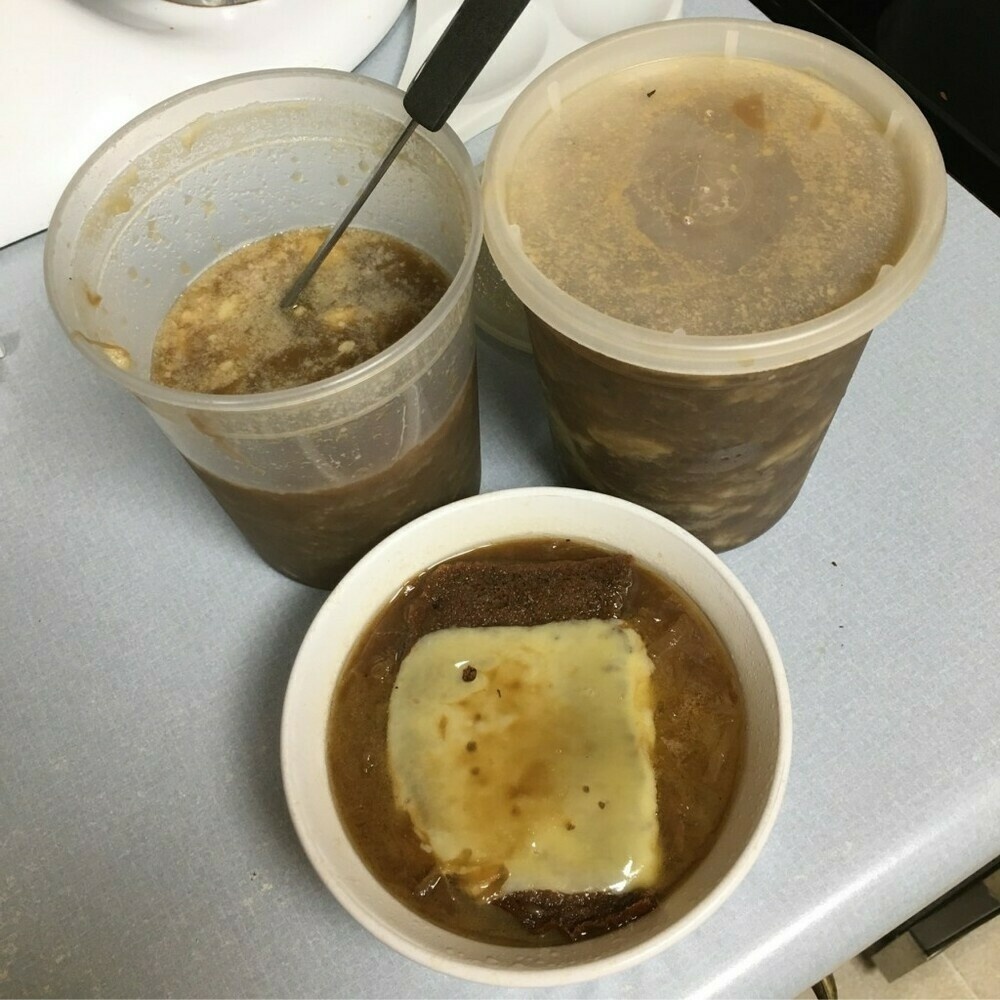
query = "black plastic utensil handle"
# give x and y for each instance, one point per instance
(463, 50)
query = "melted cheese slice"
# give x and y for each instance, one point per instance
(525, 753)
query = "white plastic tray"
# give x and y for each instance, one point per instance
(544, 33)
(74, 71)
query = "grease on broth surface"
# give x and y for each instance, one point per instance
(227, 332)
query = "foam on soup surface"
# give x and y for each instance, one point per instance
(227, 332)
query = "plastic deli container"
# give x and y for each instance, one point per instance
(704, 220)
(313, 475)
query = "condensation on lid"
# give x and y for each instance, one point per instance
(717, 195)
(813, 61)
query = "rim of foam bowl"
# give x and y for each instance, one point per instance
(373, 581)
(677, 351)
(162, 122)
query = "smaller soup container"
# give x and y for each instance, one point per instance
(607, 522)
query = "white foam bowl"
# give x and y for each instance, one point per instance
(450, 531)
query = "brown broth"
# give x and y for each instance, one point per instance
(699, 742)
(722, 455)
(316, 536)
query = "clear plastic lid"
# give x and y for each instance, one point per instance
(712, 196)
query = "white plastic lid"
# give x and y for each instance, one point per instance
(678, 351)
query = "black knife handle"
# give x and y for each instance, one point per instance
(463, 50)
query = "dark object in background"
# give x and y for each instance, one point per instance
(942, 52)
(927, 933)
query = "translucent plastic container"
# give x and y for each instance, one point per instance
(714, 420)
(314, 475)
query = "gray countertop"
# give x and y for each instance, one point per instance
(145, 848)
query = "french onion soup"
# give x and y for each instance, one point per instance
(532, 743)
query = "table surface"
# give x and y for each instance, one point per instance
(145, 847)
